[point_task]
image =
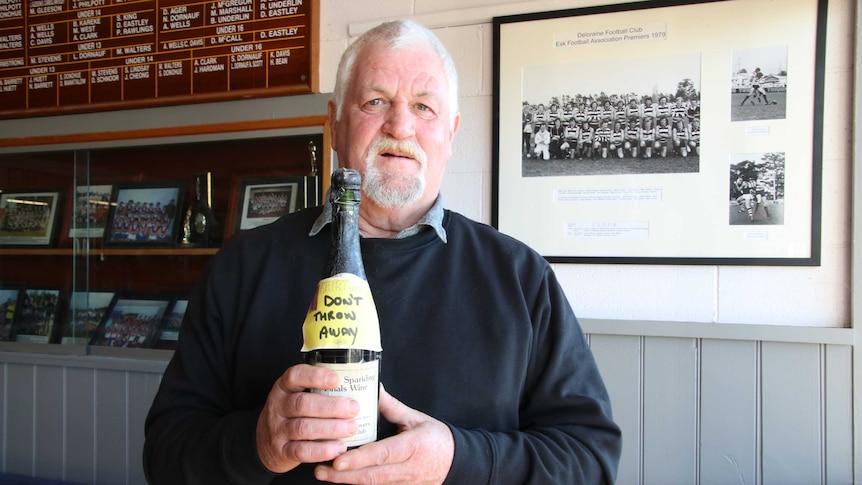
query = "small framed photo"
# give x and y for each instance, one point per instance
(89, 211)
(260, 200)
(38, 316)
(85, 313)
(131, 321)
(144, 214)
(170, 329)
(11, 295)
(29, 218)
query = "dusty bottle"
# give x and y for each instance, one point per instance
(203, 226)
(342, 330)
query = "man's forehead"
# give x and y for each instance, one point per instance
(391, 77)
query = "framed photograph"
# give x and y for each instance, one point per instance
(684, 132)
(144, 214)
(11, 295)
(89, 212)
(131, 321)
(38, 317)
(260, 200)
(29, 218)
(169, 332)
(86, 311)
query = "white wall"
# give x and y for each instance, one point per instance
(818, 296)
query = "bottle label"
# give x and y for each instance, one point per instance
(342, 315)
(360, 382)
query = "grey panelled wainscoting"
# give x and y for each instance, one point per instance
(76, 418)
(707, 404)
(698, 403)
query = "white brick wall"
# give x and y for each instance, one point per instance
(763, 295)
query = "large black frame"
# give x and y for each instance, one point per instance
(576, 221)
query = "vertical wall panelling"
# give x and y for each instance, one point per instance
(670, 410)
(728, 412)
(3, 402)
(142, 390)
(839, 414)
(20, 417)
(792, 413)
(619, 360)
(49, 422)
(80, 434)
(112, 441)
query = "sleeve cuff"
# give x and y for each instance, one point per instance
(474, 458)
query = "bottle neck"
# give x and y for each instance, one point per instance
(345, 254)
(202, 189)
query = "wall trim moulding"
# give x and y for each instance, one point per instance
(474, 15)
(720, 331)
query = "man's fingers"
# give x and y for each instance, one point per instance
(313, 451)
(303, 376)
(299, 429)
(302, 404)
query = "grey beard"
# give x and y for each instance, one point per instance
(393, 191)
(379, 190)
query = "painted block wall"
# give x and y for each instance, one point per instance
(782, 296)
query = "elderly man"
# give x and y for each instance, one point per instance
(487, 377)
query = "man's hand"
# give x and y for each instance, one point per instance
(421, 453)
(302, 427)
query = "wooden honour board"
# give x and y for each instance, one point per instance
(65, 56)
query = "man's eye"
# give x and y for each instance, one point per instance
(375, 102)
(425, 111)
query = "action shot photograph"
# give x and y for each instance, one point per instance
(758, 84)
(757, 188)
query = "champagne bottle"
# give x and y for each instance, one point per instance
(202, 222)
(342, 330)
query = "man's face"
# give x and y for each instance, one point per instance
(395, 125)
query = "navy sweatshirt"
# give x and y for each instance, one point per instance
(476, 332)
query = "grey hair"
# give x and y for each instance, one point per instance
(397, 34)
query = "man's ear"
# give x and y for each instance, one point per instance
(333, 123)
(456, 122)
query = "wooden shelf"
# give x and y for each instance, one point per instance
(98, 252)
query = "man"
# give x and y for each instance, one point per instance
(543, 143)
(493, 377)
(527, 131)
(755, 93)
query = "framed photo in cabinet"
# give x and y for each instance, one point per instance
(38, 316)
(29, 218)
(11, 295)
(169, 332)
(260, 200)
(131, 321)
(88, 216)
(144, 214)
(85, 313)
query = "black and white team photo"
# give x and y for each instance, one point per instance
(625, 116)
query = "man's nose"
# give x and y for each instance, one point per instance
(400, 121)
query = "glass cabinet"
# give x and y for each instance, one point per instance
(98, 240)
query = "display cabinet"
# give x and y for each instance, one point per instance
(97, 228)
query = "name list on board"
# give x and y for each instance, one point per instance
(82, 55)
